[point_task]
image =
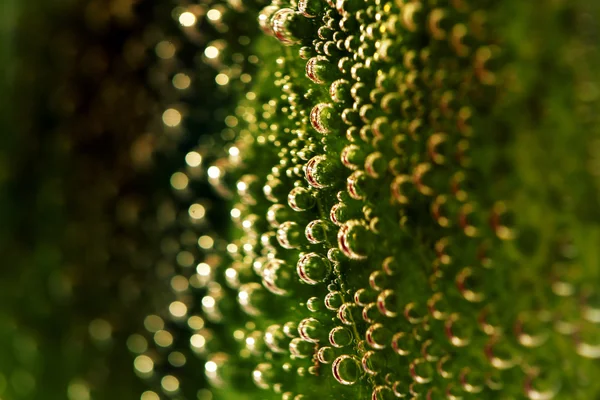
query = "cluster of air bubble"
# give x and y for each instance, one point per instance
(186, 332)
(366, 245)
(368, 255)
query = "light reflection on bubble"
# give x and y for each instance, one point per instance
(181, 81)
(210, 366)
(193, 159)
(100, 330)
(203, 269)
(179, 283)
(78, 390)
(208, 301)
(163, 338)
(246, 78)
(232, 248)
(195, 322)
(149, 395)
(177, 359)
(179, 180)
(165, 50)
(211, 52)
(185, 259)
(231, 121)
(187, 19)
(177, 309)
(198, 341)
(222, 79)
(206, 242)
(153, 323)
(143, 364)
(214, 14)
(171, 117)
(204, 394)
(136, 343)
(197, 211)
(214, 172)
(234, 151)
(169, 383)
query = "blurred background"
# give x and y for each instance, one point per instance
(109, 111)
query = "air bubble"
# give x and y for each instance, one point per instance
(314, 304)
(313, 268)
(255, 343)
(340, 336)
(247, 188)
(301, 199)
(363, 296)
(346, 370)
(214, 369)
(340, 91)
(403, 343)
(421, 371)
(457, 331)
(401, 188)
(382, 393)
(301, 348)
(276, 339)
(310, 329)
(285, 26)
(322, 118)
(264, 19)
(277, 277)
(263, 375)
(290, 329)
(352, 157)
(289, 235)
(346, 313)
(378, 281)
(319, 172)
(375, 165)
(373, 362)
(333, 300)
(316, 231)
(387, 303)
(310, 8)
(370, 313)
(353, 239)
(378, 336)
(252, 298)
(275, 191)
(355, 184)
(277, 214)
(326, 355)
(318, 69)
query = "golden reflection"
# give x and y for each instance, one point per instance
(197, 211)
(187, 19)
(143, 364)
(181, 81)
(206, 242)
(165, 50)
(193, 159)
(163, 338)
(169, 383)
(171, 117)
(100, 330)
(178, 309)
(179, 180)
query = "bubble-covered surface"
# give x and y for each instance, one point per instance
(412, 214)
